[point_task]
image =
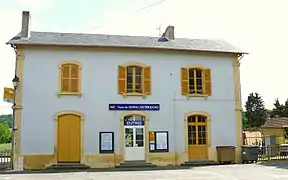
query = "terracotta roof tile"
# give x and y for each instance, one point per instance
(276, 122)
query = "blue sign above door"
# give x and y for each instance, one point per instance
(134, 107)
(134, 122)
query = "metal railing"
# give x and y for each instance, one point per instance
(5, 159)
(277, 152)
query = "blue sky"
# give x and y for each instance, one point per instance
(256, 26)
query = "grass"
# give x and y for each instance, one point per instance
(4, 147)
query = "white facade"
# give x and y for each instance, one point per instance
(99, 87)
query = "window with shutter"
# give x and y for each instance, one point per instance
(208, 82)
(147, 80)
(184, 81)
(70, 78)
(134, 79)
(196, 81)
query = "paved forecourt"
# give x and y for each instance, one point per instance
(224, 172)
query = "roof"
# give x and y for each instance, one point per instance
(276, 122)
(101, 40)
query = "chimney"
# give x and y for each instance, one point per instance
(169, 32)
(25, 30)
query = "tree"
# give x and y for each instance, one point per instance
(285, 109)
(269, 113)
(6, 118)
(244, 120)
(255, 110)
(5, 133)
(278, 110)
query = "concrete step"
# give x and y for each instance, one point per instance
(68, 166)
(199, 163)
(136, 164)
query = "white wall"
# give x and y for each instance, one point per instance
(99, 85)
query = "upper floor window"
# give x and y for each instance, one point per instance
(134, 79)
(70, 81)
(196, 81)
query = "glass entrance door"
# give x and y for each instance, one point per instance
(134, 143)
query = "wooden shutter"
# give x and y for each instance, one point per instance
(64, 85)
(74, 71)
(73, 85)
(121, 79)
(65, 78)
(74, 78)
(184, 81)
(208, 82)
(147, 80)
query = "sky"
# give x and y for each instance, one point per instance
(257, 26)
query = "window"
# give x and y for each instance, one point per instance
(134, 80)
(197, 130)
(196, 81)
(70, 78)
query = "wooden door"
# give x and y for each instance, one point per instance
(69, 134)
(197, 137)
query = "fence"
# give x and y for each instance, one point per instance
(278, 152)
(266, 153)
(5, 157)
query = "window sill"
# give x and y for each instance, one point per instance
(196, 95)
(199, 145)
(134, 94)
(69, 94)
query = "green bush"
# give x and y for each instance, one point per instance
(5, 133)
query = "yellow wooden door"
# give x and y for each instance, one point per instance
(69, 132)
(74, 140)
(197, 137)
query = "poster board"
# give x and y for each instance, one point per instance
(158, 141)
(106, 142)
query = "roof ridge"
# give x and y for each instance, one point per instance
(124, 35)
(118, 40)
(119, 35)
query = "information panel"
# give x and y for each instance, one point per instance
(158, 141)
(106, 142)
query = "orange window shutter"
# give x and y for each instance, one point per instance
(121, 79)
(74, 71)
(74, 78)
(147, 80)
(208, 82)
(74, 85)
(65, 76)
(184, 81)
(65, 71)
(64, 85)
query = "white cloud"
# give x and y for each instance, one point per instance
(36, 4)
